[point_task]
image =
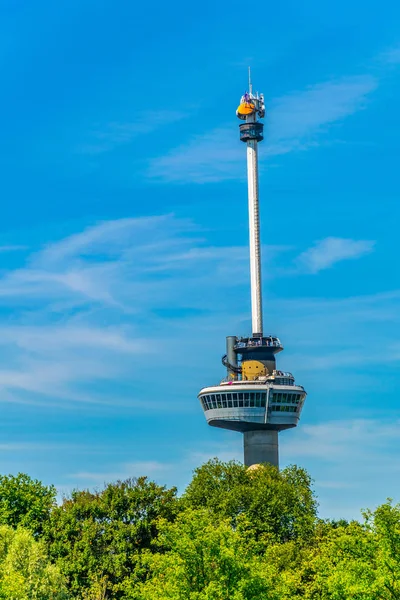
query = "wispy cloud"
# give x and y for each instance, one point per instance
(337, 440)
(391, 56)
(298, 117)
(12, 248)
(107, 137)
(79, 337)
(28, 446)
(87, 268)
(355, 453)
(215, 156)
(295, 122)
(342, 455)
(81, 307)
(123, 471)
(325, 253)
(336, 335)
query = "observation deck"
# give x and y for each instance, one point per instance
(258, 345)
(259, 349)
(267, 403)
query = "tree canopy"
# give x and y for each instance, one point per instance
(25, 570)
(205, 558)
(25, 501)
(234, 534)
(96, 537)
(277, 505)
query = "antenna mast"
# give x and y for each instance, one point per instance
(250, 85)
(252, 108)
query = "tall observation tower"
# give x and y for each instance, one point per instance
(255, 398)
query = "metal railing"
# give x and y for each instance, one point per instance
(257, 342)
(277, 373)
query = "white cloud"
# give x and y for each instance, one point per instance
(327, 252)
(215, 156)
(120, 264)
(79, 305)
(81, 308)
(391, 56)
(123, 471)
(12, 248)
(105, 138)
(294, 122)
(337, 335)
(12, 447)
(37, 339)
(343, 456)
(298, 117)
(335, 441)
(359, 457)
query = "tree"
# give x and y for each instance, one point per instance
(385, 524)
(95, 537)
(356, 561)
(25, 571)
(25, 501)
(237, 534)
(275, 506)
(205, 560)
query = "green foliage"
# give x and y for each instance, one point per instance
(236, 534)
(25, 571)
(207, 560)
(25, 501)
(360, 561)
(275, 506)
(95, 538)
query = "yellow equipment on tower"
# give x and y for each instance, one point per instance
(252, 369)
(244, 109)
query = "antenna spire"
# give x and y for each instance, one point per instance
(250, 110)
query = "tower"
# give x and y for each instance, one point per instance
(255, 398)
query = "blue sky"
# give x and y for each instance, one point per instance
(123, 237)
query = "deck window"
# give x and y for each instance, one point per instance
(236, 400)
(280, 408)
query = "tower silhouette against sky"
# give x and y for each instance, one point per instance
(255, 398)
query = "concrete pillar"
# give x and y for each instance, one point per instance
(261, 446)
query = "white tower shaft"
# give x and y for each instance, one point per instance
(255, 246)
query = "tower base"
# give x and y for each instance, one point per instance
(261, 447)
